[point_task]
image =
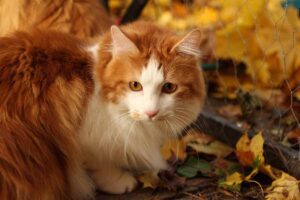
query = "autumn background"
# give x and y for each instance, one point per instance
(251, 59)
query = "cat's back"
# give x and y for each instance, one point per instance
(31, 64)
(45, 82)
(83, 18)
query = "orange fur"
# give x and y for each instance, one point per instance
(83, 18)
(45, 81)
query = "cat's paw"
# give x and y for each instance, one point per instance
(115, 183)
(126, 183)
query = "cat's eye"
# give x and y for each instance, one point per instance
(135, 86)
(169, 88)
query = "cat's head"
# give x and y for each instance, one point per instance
(152, 75)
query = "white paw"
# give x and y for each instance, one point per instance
(125, 183)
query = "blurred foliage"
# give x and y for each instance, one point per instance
(260, 33)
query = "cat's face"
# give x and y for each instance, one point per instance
(154, 77)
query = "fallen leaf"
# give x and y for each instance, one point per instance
(196, 136)
(232, 182)
(284, 188)
(224, 167)
(248, 151)
(194, 165)
(270, 171)
(174, 147)
(230, 111)
(215, 148)
(149, 179)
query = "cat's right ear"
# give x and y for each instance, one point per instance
(121, 43)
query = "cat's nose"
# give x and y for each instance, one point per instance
(152, 113)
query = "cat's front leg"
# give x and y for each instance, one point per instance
(114, 180)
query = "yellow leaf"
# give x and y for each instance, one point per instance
(248, 150)
(174, 147)
(251, 175)
(233, 179)
(256, 146)
(149, 179)
(196, 136)
(284, 188)
(270, 171)
(216, 148)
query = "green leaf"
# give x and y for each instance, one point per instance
(194, 165)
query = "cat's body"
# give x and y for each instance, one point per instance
(58, 112)
(45, 84)
(83, 18)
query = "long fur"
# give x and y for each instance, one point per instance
(45, 83)
(83, 18)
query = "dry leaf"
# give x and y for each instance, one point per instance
(196, 136)
(284, 188)
(216, 148)
(149, 179)
(248, 151)
(174, 147)
(235, 178)
(230, 111)
(232, 182)
(270, 171)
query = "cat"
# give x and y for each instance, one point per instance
(84, 18)
(149, 87)
(76, 116)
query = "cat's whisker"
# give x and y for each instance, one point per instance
(114, 136)
(128, 137)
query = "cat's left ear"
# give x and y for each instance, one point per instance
(189, 44)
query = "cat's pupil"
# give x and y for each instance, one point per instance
(168, 86)
(135, 84)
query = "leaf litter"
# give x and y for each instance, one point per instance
(228, 169)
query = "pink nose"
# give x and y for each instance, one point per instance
(152, 113)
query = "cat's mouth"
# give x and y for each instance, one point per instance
(144, 118)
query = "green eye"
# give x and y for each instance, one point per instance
(169, 88)
(135, 86)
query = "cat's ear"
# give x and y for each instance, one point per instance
(121, 44)
(189, 44)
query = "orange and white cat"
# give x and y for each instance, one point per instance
(83, 18)
(74, 117)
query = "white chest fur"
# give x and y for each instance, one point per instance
(110, 139)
